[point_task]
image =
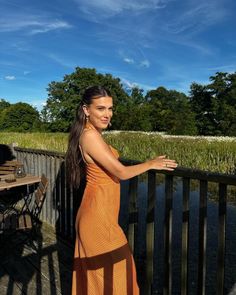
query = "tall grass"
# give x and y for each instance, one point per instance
(212, 154)
(198, 152)
(44, 141)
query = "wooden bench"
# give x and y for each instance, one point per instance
(9, 167)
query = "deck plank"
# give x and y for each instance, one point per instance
(42, 269)
(27, 276)
(7, 284)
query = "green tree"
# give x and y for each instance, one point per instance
(209, 110)
(3, 104)
(203, 106)
(134, 113)
(215, 105)
(223, 89)
(64, 97)
(19, 117)
(171, 112)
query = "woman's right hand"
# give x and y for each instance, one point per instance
(163, 163)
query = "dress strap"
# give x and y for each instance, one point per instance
(82, 154)
(87, 127)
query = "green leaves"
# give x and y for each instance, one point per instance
(215, 105)
(64, 97)
(171, 112)
(208, 110)
(19, 117)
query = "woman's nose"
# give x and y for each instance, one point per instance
(107, 113)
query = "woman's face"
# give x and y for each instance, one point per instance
(100, 112)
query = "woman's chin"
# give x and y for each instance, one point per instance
(104, 125)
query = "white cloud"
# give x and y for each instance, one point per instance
(139, 61)
(32, 24)
(10, 78)
(128, 84)
(45, 27)
(230, 68)
(195, 17)
(113, 7)
(145, 63)
(39, 104)
(128, 60)
(146, 87)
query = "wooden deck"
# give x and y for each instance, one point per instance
(23, 270)
(180, 226)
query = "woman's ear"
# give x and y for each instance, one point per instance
(85, 109)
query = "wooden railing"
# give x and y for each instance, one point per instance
(171, 248)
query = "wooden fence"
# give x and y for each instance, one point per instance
(171, 256)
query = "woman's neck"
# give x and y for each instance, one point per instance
(89, 125)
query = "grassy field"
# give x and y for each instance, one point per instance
(206, 153)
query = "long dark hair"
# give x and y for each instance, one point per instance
(75, 166)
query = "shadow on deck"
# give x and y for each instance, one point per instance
(25, 270)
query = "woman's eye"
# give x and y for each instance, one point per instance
(103, 109)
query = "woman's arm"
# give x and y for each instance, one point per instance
(95, 148)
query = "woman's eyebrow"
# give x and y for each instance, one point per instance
(102, 106)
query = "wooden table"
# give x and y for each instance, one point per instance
(27, 180)
(21, 191)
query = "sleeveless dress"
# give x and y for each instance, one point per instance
(103, 262)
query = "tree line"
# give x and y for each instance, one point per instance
(207, 110)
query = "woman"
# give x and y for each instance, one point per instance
(103, 262)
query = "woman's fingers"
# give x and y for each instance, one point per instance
(161, 157)
(163, 163)
(169, 164)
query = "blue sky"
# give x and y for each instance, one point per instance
(151, 43)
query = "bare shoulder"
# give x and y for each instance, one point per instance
(90, 136)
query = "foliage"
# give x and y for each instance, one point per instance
(19, 117)
(134, 113)
(214, 154)
(208, 110)
(171, 112)
(215, 105)
(64, 97)
(3, 104)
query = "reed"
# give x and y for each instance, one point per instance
(44, 141)
(214, 154)
(211, 154)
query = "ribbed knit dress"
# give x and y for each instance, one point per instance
(103, 262)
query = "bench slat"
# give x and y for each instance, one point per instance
(9, 166)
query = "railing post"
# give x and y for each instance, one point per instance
(221, 238)
(202, 237)
(140, 249)
(168, 235)
(150, 230)
(185, 236)
(133, 188)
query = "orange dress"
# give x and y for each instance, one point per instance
(103, 262)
